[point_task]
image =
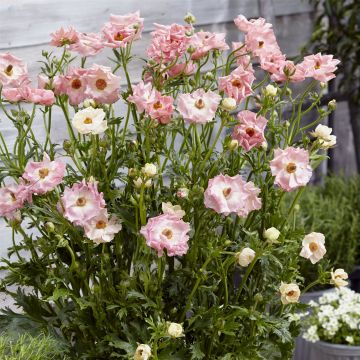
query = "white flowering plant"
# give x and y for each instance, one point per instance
(334, 318)
(155, 230)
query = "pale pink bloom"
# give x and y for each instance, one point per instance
(63, 37)
(13, 197)
(82, 202)
(43, 82)
(167, 232)
(13, 71)
(320, 67)
(204, 41)
(250, 131)
(313, 247)
(45, 175)
(88, 45)
(131, 20)
(198, 107)
(241, 53)
(237, 85)
(101, 228)
(245, 25)
(168, 42)
(28, 94)
(182, 193)
(272, 62)
(186, 69)
(231, 194)
(291, 168)
(102, 85)
(14, 216)
(287, 70)
(161, 109)
(143, 95)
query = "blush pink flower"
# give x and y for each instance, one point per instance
(241, 53)
(12, 198)
(291, 168)
(168, 42)
(102, 228)
(45, 175)
(43, 82)
(161, 109)
(272, 62)
(186, 69)
(250, 132)
(226, 195)
(198, 107)
(287, 70)
(82, 202)
(143, 95)
(13, 71)
(63, 37)
(28, 94)
(203, 42)
(238, 84)
(245, 25)
(102, 85)
(87, 44)
(320, 67)
(167, 232)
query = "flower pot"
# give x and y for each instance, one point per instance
(325, 351)
(355, 279)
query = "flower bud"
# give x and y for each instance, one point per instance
(149, 170)
(138, 183)
(233, 144)
(148, 183)
(175, 330)
(132, 172)
(270, 90)
(296, 207)
(191, 49)
(323, 85)
(271, 234)
(89, 103)
(228, 104)
(49, 226)
(143, 352)
(67, 145)
(332, 105)
(190, 18)
(258, 297)
(182, 192)
(14, 218)
(209, 76)
(245, 256)
(264, 145)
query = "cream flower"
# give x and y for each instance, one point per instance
(270, 90)
(90, 121)
(290, 293)
(149, 170)
(175, 330)
(271, 234)
(169, 208)
(143, 352)
(338, 277)
(313, 247)
(228, 104)
(245, 257)
(323, 134)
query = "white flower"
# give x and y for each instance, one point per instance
(245, 257)
(313, 247)
(143, 352)
(323, 134)
(149, 170)
(338, 277)
(228, 104)
(349, 339)
(270, 90)
(89, 103)
(311, 334)
(138, 182)
(169, 208)
(175, 330)
(290, 293)
(271, 234)
(90, 121)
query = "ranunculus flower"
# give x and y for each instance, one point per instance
(13, 197)
(161, 109)
(149, 170)
(291, 168)
(313, 247)
(82, 202)
(245, 256)
(270, 90)
(226, 194)
(338, 278)
(272, 62)
(287, 70)
(323, 134)
(238, 84)
(88, 44)
(90, 121)
(204, 41)
(272, 234)
(228, 104)
(45, 175)
(250, 132)
(13, 71)
(175, 330)
(167, 232)
(170, 209)
(63, 37)
(186, 69)
(290, 293)
(143, 96)
(102, 228)
(198, 107)
(245, 25)
(143, 352)
(28, 94)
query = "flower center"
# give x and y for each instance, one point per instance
(9, 70)
(88, 121)
(261, 44)
(76, 84)
(157, 105)
(317, 65)
(43, 173)
(291, 168)
(199, 103)
(313, 246)
(101, 224)
(250, 132)
(119, 36)
(81, 201)
(101, 84)
(227, 192)
(13, 197)
(290, 293)
(168, 233)
(236, 82)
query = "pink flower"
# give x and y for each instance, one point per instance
(198, 107)
(287, 70)
(245, 25)
(168, 42)
(87, 44)
(82, 202)
(13, 71)
(272, 62)
(102, 85)
(44, 176)
(43, 82)
(291, 168)
(27, 94)
(167, 232)
(250, 131)
(204, 41)
(101, 228)
(320, 67)
(186, 69)
(241, 53)
(143, 96)
(226, 194)
(63, 37)
(12, 198)
(237, 85)
(161, 109)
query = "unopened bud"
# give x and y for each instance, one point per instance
(264, 145)
(138, 182)
(89, 103)
(148, 183)
(209, 76)
(149, 170)
(190, 18)
(191, 49)
(228, 104)
(67, 145)
(270, 90)
(182, 192)
(132, 172)
(49, 226)
(332, 105)
(233, 144)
